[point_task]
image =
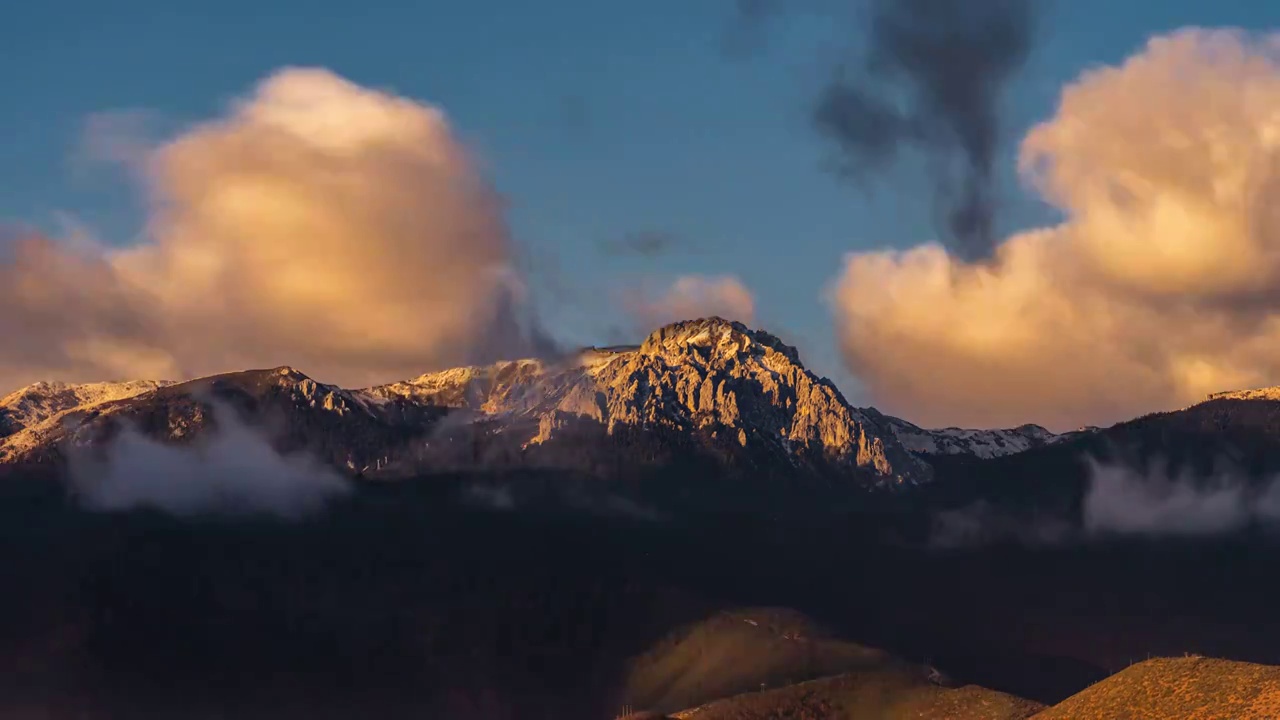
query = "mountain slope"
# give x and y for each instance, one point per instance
(1230, 437)
(969, 442)
(39, 402)
(738, 651)
(1186, 688)
(344, 428)
(892, 695)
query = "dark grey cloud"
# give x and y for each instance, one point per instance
(932, 78)
(929, 76)
(747, 34)
(642, 243)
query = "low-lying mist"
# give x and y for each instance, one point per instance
(1119, 501)
(1122, 500)
(232, 469)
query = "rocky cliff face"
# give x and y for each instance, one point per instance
(709, 376)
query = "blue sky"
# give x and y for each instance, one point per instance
(594, 119)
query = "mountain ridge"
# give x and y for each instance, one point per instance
(708, 383)
(712, 385)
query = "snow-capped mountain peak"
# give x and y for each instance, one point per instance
(709, 375)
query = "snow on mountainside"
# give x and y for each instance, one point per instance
(709, 374)
(983, 444)
(345, 427)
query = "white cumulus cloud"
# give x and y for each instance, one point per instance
(1159, 287)
(317, 223)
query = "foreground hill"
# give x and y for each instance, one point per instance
(884, 695)
(777, 663)
(737, 651)
(1187, 688)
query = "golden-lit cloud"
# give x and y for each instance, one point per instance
(1161, 285)
(688, 297)
(320, 224)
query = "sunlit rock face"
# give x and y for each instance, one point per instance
(710, 375)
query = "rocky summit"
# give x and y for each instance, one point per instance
(709, 377)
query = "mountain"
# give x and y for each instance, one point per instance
(708, 399)
(709, 395)
(400, 595)
(737, 389)
(710, 377)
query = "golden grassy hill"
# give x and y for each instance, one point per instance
(772, 663)
(1188, 688)
(741, 651)
(873, 695)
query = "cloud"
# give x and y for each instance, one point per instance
(119, 137)
(1123, 501)
(746, 34)
(923, 79)
(1157, 288)
(317, 223)
(232, 470)
(982, 523)
(645, 243)
(932, 80)
(689, 297)
(494, 497)
(594, 502)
